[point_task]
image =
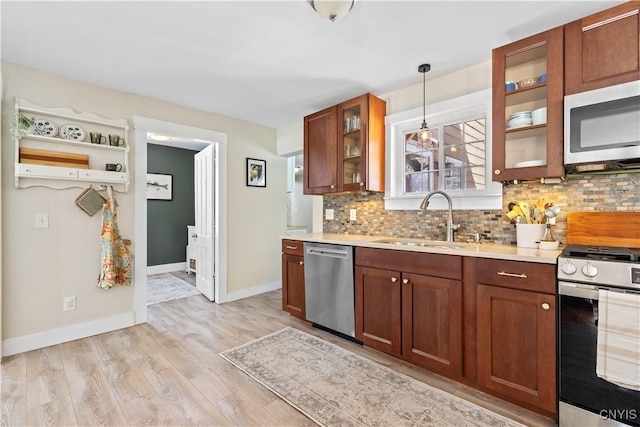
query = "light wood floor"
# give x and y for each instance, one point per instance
(168, 372)
(183, 275)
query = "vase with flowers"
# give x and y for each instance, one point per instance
(22, 125)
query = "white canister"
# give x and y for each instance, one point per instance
(528, 235)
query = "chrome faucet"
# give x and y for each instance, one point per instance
(450, 225)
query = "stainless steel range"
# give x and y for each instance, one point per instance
(585, 398)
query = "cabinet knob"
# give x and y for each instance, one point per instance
(496, 172)
(362, 184)
(545, 306)
(394, 279)
(333, 186)
(301, 262)
(405, 281)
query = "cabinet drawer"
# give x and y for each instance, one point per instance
(103, 176)
(438, 265)
(527, 276)
(41, 171)
(293, 247)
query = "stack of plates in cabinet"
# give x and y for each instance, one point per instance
(516, 120)
(539, 116)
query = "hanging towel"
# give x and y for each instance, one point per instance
(117, 261)
(618, 356)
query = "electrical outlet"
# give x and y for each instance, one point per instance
(68, 303)
(328, 214)
(42, 220)
(352, 214)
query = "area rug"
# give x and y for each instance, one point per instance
(166, 287)
(335, 387)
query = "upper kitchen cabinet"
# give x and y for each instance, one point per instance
(344, 147)
(321, 152)
(603, 49)
(527, 108)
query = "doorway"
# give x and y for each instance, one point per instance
(299, 205)
(217, 141)
(175, 213)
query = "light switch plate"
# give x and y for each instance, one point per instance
(328, 214)
(352, 214)
(42, 220)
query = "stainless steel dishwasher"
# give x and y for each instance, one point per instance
(328, 287)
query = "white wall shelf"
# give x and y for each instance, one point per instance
(80, 144)
(60, 177)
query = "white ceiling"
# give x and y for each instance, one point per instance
(266, 62)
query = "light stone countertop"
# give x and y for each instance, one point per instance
(482, 250)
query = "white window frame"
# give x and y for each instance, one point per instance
(460, 109)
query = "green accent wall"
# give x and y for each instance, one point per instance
(167, 220)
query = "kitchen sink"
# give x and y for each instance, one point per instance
(423, 243)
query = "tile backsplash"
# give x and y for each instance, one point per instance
(613, 192)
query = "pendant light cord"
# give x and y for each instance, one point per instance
(424, 98)
(424, 68)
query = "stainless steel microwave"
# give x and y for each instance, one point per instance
(602, 126)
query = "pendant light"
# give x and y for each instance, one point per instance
(333, 10)
(424, 132)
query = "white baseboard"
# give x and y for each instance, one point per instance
(166, 268)
(246, 293)
(17, 345)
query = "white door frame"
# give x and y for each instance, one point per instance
(142, 125)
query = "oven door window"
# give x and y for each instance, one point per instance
(579, 385)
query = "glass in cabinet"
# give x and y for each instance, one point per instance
(527, 108)
(361, 144)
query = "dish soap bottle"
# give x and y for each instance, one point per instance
(547, 237)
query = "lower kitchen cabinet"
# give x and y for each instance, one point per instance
(432, 323)
(406, 311)
(516, 332)
(378, 309)
(293, 300)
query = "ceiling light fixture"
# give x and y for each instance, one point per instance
(158, 137)
(333, 10)
(424, 132)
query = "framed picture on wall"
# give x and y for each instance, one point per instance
(256, 173)
(159, 186)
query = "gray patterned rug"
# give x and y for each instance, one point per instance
(167, 287)
(335, 387)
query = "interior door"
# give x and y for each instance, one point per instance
(204, 187)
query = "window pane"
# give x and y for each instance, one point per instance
(421, 160)
(465, 155)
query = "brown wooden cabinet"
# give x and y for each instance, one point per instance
(516, 332)
(525, 150)
(409, 304)
(344, 147)
(321, 152)
(378, 308)
(293, 299)
(603, 49)
(432, 323)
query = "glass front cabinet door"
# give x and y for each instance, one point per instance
(527, 108)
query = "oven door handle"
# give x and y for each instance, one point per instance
(578, 290)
